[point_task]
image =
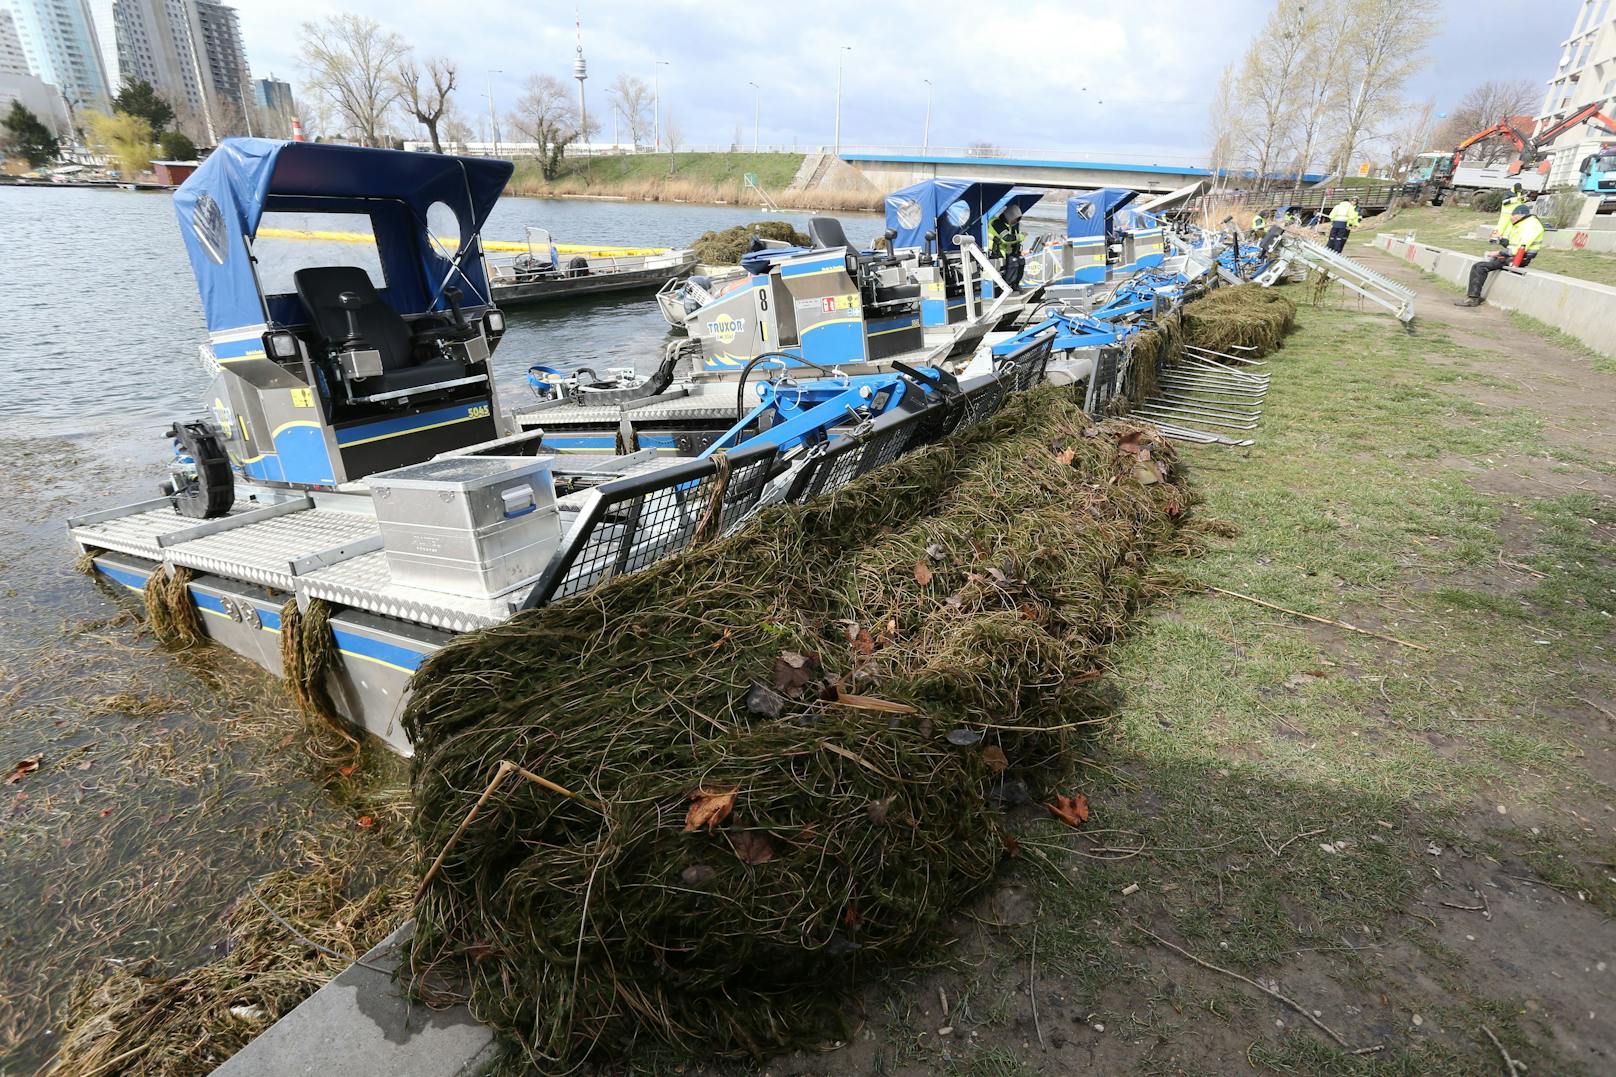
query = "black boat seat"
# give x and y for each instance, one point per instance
(406, 361)
(321, 289)
(828, 232)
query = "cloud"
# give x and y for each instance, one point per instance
(1045, 74)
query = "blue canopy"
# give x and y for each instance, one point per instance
(929, 206)
(221, 204)
(1090, 213)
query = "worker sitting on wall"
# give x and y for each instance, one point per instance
(1005, 243)
(1522, 238)
(1515, 197)
(1343, 219)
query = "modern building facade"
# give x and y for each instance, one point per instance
(272, 95)
(189, 50)
(1585, 76)
(40, 98)
(59, 45)
(273, 103)
(12, 60)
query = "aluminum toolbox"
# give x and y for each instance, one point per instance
(467, 525)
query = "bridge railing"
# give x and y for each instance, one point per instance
(1370, 196)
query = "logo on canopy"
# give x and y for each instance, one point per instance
(207, 221)
(1085, 210)
(908, 213)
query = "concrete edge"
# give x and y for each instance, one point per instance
(1584, 310)
(360, 1025)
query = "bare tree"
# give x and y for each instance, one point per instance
(545, 114)
(1226, 126)
(427, 103)
(672, 133)
(351, 62)
(1318, 87)
(1409, 138)
(1269, 80)
(632, 99)
(456, 131)
(1479, 109)
(1381, 49)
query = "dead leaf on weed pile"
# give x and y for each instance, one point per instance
(709, 808)
(1072, 810)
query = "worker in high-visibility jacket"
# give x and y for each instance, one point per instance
(1258, 222)
(1004, 242)
(1343, 219)
(1515, 197)
(1519, 244)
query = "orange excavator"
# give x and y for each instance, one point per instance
(1439, 173)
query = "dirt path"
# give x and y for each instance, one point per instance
(1575, 400)
(1415, 846)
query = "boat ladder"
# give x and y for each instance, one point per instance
(1353, 275)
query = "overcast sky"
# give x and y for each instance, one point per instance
(1078, 75)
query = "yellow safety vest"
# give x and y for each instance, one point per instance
(1347, 212)
(1257, 222)
(1504, 209)
(1526, 232)
(1003, 238)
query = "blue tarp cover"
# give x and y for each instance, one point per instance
(1090, 213)
(923, 207)
(220, 205)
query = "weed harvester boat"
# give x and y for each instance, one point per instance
(354, 480)
(928, 298)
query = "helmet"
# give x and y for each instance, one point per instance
(1012, 213)
(1522, 210)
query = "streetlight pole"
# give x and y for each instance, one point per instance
(837, 149)
(757, 109)
(925, 134)
(493, 124)
(656, 84)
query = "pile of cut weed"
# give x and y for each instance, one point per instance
(780, 748)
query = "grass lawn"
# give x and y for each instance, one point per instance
(1412, 843)
(721, 170)
(1453, 227)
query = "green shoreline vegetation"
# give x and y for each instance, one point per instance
(685, 177)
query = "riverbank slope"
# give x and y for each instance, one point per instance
(791, 180)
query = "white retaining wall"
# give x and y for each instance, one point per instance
(1579, 308)
(1593, 240)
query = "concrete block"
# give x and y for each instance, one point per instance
(1578, 308)
(359, 1025)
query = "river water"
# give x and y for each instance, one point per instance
(99, 317)
(143, 791)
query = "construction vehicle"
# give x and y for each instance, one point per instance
(1598, 176)
(1433, 175)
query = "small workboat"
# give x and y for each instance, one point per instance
(546, 271)
(352, 458)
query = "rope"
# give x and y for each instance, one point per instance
(308, 654)
(707, 526)
(169, 610)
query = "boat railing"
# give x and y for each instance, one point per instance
(633, 522)
(636, 521)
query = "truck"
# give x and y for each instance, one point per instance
(1435, 174)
